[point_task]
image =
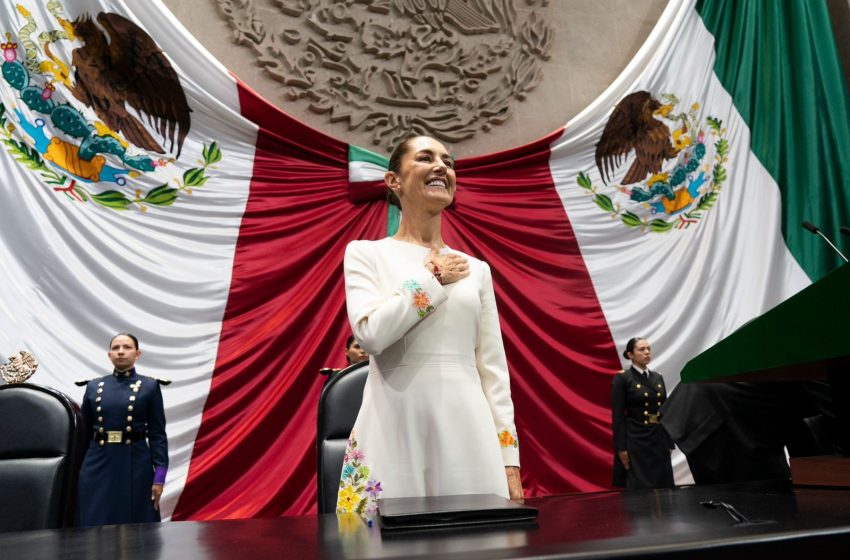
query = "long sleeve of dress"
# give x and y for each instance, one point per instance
(618, 411)
(493, 370)
(379, 317)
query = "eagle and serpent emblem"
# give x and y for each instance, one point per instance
(100, 118)
(671, 179)
(20, 367)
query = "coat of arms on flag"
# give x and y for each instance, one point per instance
(96, 118)
(677, 168)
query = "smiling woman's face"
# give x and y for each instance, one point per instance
(426, 178)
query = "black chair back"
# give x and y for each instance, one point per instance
(339, 405)
(41, 448)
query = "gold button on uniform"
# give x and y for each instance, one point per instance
(100, 429)
(130, 408)
(97, 399)
(129, 419)
(100, 418)
(101, 442)
(128, 442)
(133, 397)
(638, 385)
(129, 428)
(99, 409)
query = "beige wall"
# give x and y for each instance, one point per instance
(592, 42)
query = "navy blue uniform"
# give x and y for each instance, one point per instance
(124, 414)
(635, 411)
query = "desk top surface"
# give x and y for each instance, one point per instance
(635, 524)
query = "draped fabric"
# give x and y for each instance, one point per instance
(285, 319)
(281, 273)
(559, 349)
(226, 259)
(781, 67)
(756, 105)
(89, 253)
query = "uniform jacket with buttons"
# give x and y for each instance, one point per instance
(633, 399)
(116, 478)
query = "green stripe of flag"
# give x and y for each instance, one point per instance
(355, 153)
(779, 62)
(364, 165)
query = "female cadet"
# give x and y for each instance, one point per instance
(124, 468)
(642, 447)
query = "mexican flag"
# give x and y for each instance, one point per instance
(220, 243)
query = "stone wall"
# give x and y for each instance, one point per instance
(483, 75)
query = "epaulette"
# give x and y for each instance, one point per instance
(162, 381)
(82, 382)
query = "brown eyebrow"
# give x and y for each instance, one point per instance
(430, 152)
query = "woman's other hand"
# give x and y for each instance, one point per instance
(624, 458)
(515, 484)
(156, 493)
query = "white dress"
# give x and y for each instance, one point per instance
(437, 416)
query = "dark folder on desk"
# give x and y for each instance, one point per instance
(434, 512)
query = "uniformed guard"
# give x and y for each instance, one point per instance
(124, 469)
(641, 446)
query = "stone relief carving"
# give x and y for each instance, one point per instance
(448, 68)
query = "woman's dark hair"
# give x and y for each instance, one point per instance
(128, 335)
(630, 346)
(395, 166)
(349, 341)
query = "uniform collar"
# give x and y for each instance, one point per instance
(119, 374)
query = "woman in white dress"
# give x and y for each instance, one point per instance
(437, 417)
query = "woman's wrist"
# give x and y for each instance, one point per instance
(434, 269)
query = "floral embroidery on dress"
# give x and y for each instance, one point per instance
(508, 438)
(410, 286)
(421, 300)
(358, 493)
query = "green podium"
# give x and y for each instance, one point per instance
(806, 337)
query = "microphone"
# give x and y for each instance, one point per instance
(845, 230)
(811, 227)
(814, 229)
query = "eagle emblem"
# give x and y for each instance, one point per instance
(451, 69)
(124, 66)
(633, 126)
(654, 164)
(116, 113)
(20, 367)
